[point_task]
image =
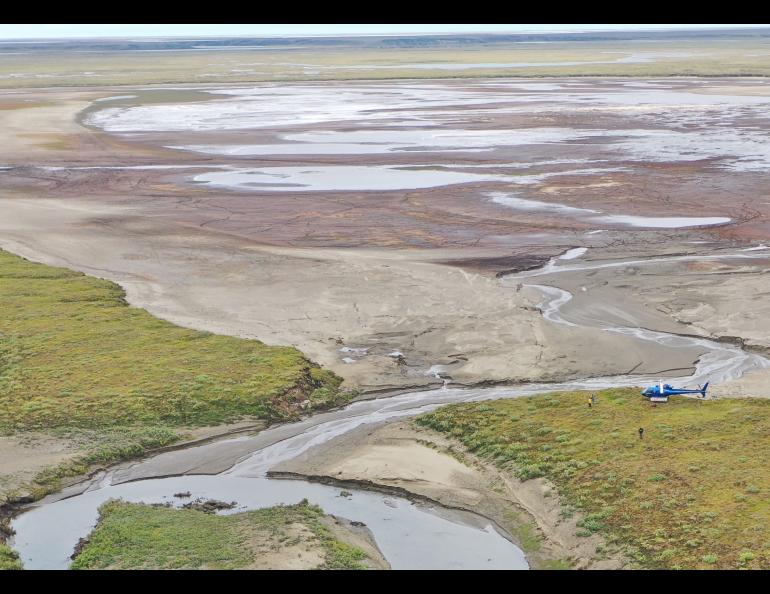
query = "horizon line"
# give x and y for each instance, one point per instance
(151, 37)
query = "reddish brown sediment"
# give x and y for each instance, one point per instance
(408, 270)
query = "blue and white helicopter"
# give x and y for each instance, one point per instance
(661, 392)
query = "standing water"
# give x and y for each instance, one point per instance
(410, 535)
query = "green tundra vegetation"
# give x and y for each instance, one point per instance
(9, 559)
(78, 362)
(139, 536)
(63, 68)
(692, 493)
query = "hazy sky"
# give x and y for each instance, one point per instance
(21, 31)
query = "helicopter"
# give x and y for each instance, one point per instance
(661, 392)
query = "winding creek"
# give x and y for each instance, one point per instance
(410, 534)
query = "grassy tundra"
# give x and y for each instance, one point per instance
(725, 57)
(137, 536)
(693, 493)
(78, 363)
(8, 558)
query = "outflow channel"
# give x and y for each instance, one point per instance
(410, 535)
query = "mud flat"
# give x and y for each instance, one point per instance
(407, 235)
(695, 289)
(426, 464)
(349, 310)
(398, 287)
